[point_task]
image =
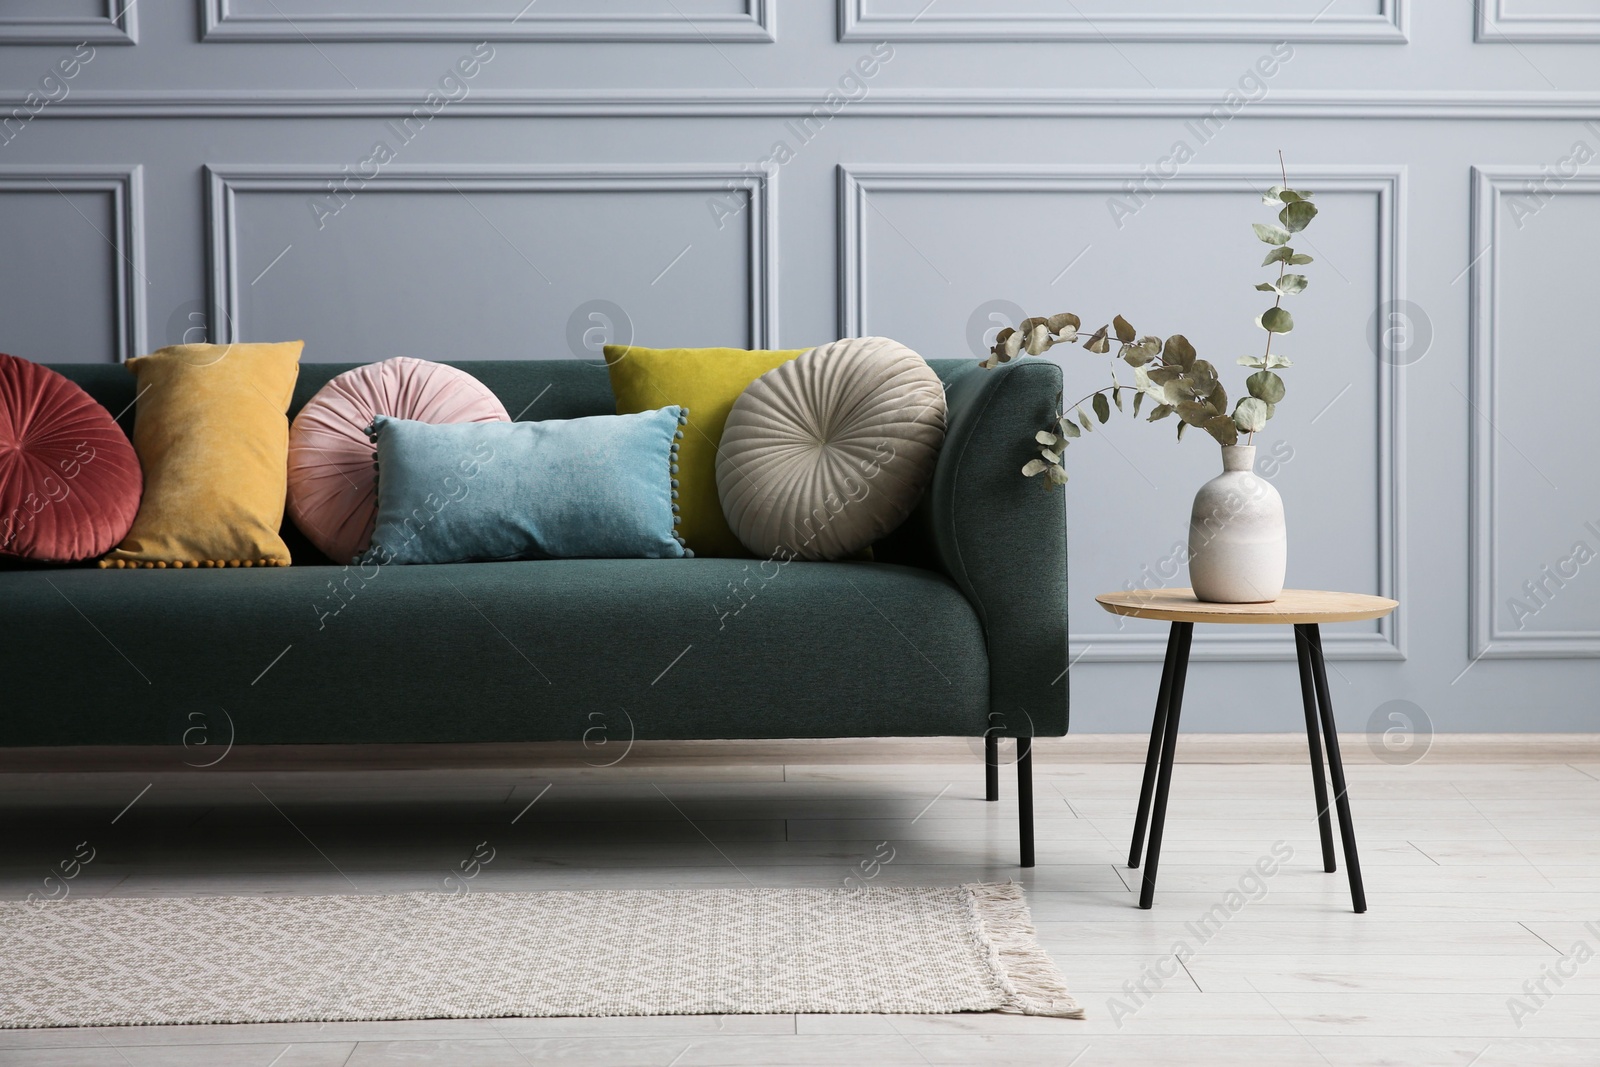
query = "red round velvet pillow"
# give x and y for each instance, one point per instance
(69, 478)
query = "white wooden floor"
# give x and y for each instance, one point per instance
(1481, 876)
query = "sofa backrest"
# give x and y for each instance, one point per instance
(531, 390)
(537, 389)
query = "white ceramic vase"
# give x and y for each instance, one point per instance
(1238, 549)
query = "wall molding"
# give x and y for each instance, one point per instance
(857, 182)
(1495, 25)
(1487, 640)
(125, 186)
(224, 183)
(788, 103)
(118, 25)
(857, 21)
(222, 22)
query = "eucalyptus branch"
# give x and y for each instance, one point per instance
(1168, 371)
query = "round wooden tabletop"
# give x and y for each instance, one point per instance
(1293, 606)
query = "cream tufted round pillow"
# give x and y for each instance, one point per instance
(829, 452)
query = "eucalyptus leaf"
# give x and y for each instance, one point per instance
(1289, 196)
(1064, 322)
(1182, 426)
(1222, 428)
(1039, 340)
(1046, 438)
(1251, 415)
(1050, 455)
(1161, 411)
(1298, 215)
(1276, 320)
(1013, 346)
(1201, 370)
(1292, 283)
(1178, 350)
(1274, 196)
(1102, 408)
(1298, 260)
(1125, 331)
(1116, 396)
(1058, 475)
(1272, 235)
(1084, 421)
(1266, 287)
(1251, 361)
(1265, 386)
(1278, 255)
(1138, 398)
(1195, 412)
(1145, 382)
(1100, 342)
(1218, 398)
(1277, 361)
(1068, 427)
(1033, 468)
(1137, 355)
(1165, 375)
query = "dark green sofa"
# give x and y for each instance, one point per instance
(958, 628)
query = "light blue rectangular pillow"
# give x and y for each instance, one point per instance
(600, 487)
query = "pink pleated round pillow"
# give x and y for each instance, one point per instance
(69, 478)
(333, 486)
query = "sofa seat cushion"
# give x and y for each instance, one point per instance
(516, 651)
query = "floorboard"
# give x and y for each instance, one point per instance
(1481, 874)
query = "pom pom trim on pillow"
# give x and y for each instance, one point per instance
(193, 564)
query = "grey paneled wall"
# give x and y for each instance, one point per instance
(527, 181)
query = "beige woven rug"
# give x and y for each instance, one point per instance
(137, 961)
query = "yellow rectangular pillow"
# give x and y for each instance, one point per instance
(706, 381)
(213, 438)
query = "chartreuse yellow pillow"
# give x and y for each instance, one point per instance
(213, 438)
(706, 381)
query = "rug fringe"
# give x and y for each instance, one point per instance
(1032, 982)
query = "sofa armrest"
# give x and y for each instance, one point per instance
(1002, 537)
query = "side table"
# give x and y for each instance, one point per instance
(1305, 610)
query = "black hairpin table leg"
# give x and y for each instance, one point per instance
(1181, 632)
(1341, 797)
(1308, 697)
(1152, 758)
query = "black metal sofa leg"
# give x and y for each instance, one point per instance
(991, 767)
(1025, 798)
